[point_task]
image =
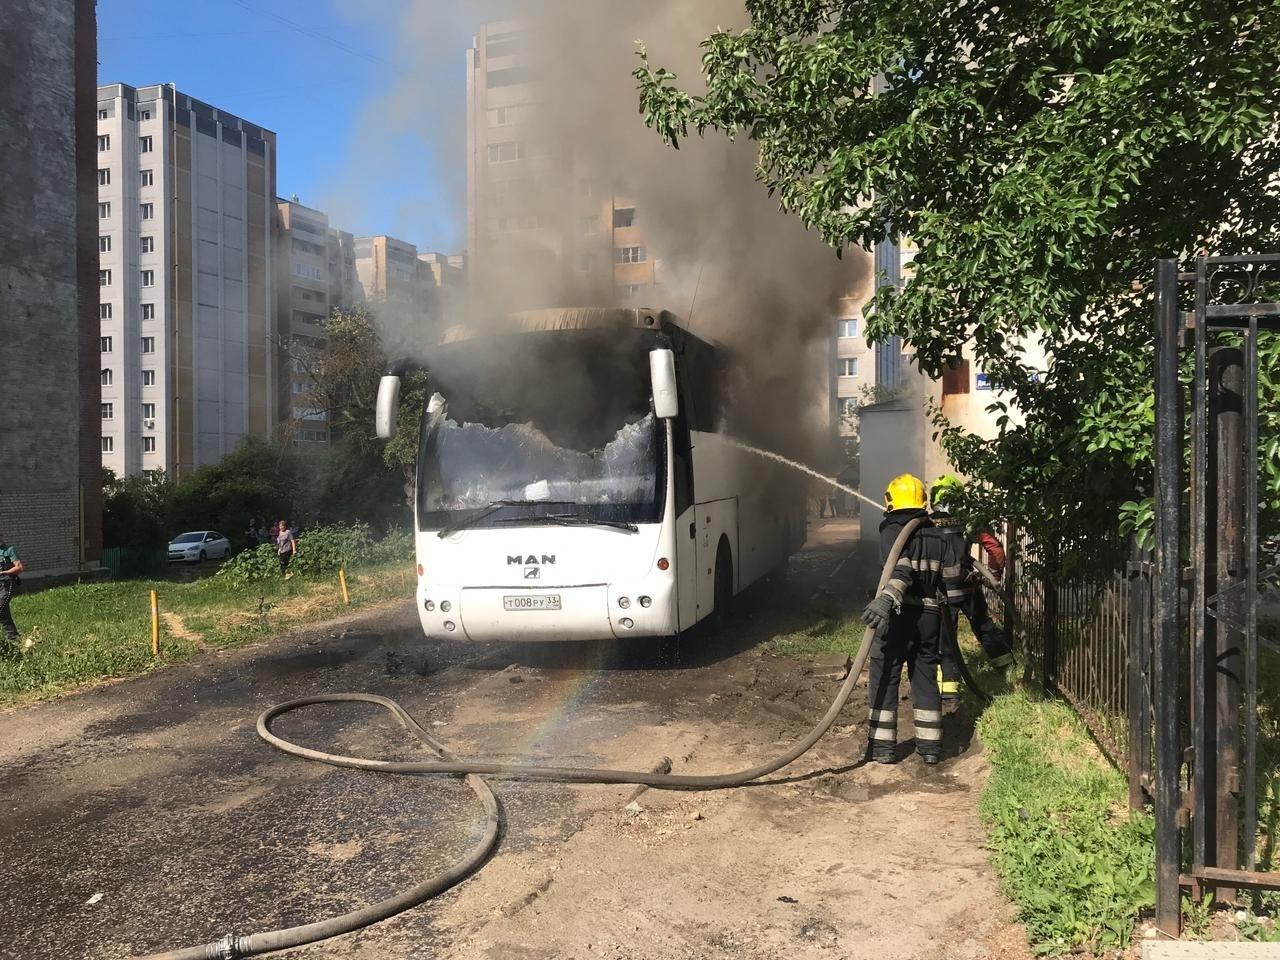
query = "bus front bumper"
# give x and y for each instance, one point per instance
(548, 613)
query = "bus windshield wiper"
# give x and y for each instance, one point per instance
(573, 520)
(492, 507)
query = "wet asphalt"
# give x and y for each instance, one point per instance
(147, 814)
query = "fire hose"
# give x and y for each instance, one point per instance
(233, 947)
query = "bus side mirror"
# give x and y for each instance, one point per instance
(388, 411)
(662, 372)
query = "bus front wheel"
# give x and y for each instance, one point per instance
(723, 586)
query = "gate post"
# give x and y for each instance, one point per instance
(1139, 678)
(1168, 626)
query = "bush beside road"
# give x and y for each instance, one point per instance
(90, 632)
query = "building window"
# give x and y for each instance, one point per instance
(848, 407)
(108, 411)
(104, 344)
(629, 255)
(104, 176)
(846, 328)
(298, 388)
(104, 311)
(148, 344)
(148, 444)
(508, 152)
(104, 243)
(104, 143)
(147, 244)
(104, 211)
(503, 116)
(104, 114)
(148, 378)
(108, 444)
(104, 278)
(144, 144)
(955, 379)
(311, 273)
(148, 178)
(106, 377)
(632, 290)
(149, 413)
(144, 114)
(148, 311)
(148, 211)
(624, 217)
(849, 367)
(148, 278)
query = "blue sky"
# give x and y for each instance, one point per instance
(367, 97)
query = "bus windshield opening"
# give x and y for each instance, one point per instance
(564, 431)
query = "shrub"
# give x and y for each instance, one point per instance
(321, 551)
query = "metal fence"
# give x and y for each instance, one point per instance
(1080, 632)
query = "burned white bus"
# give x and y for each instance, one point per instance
(574, 482)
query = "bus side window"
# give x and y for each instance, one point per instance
(682, 455)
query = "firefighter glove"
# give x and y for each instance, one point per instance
(877, 611)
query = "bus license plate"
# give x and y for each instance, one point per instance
(547, 601)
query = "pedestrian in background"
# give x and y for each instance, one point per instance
(286, 547)
(10, 568)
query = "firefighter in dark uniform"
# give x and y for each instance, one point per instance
(908, 610)
(968, 597)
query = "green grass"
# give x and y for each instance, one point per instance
(92, 632)
(831, 634)
(1078, 865)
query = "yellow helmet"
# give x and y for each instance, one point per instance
(904, 493)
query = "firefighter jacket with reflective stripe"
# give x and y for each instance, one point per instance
(950, 529)
(929, 567)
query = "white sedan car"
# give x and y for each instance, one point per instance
(199, 545)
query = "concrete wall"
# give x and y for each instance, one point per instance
(895, 439)
(49, 449)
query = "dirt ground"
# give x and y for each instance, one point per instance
(146, 814)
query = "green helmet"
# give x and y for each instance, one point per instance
(944, 494)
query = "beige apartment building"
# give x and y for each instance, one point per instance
(186, 208)
(316, 274)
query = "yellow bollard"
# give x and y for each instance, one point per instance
(155, 624)
(342, 579)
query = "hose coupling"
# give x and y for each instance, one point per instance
(229, 947)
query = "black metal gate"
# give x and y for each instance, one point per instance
(1205, 657)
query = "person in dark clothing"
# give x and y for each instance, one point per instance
(970, 599)
(907, 613)
(10, 568)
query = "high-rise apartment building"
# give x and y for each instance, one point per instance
(185, 216)
(316, 275)
(530, 202)
(50, 459)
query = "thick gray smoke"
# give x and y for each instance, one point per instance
(727, 260)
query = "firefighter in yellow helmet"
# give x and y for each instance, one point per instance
(906, 615)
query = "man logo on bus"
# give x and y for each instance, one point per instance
(548, 559)
(532, 573)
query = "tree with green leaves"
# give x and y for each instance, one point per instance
(342, 377)
(1041, 156)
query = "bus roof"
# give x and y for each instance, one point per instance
(575, 318)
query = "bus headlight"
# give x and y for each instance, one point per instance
(429, 606)
(445, 606)
(450, 626)
(627, 622)
(646, 602)
(624, 603)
